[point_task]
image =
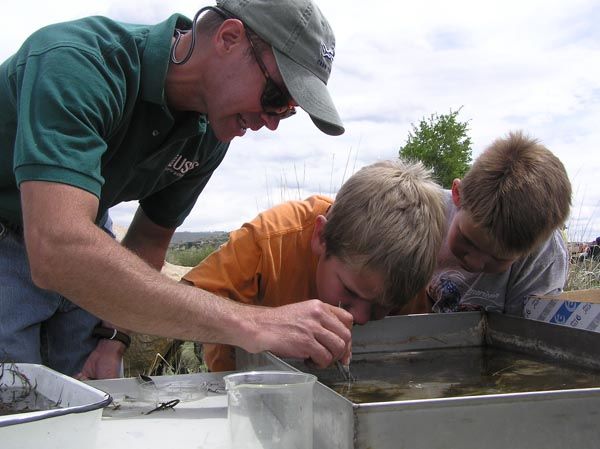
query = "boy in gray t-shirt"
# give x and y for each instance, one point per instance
(503, 241)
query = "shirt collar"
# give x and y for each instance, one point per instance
(155, 61)
(155, 64)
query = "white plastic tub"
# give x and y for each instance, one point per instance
(73, 425)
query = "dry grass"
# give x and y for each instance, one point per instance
(584, 274)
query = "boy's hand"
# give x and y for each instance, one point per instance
(306, 330)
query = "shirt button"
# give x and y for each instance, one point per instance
(155, 133)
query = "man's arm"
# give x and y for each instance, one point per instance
(148, 240)
(72, 256)
(233, 271)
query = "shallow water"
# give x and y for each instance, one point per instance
(456, 372)
(23, 400)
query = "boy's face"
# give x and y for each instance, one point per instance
(472, 246)
(338, 284)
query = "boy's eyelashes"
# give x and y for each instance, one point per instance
(495, 258)
(351, 293)
(379, 311)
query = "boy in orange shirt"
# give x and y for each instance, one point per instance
(369, 251)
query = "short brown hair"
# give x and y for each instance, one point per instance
(389, 217)
(517, 190)
(210, 22)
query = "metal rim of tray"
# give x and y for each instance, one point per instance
(26, 417)
(37, 416)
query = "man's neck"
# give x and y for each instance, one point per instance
(185, 83)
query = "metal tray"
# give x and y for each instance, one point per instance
(72, 421)
(459, 380)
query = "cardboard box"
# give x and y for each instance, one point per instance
(579, 309)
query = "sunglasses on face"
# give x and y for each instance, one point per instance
(274, 100)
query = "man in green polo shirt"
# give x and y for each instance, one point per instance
(96, 112)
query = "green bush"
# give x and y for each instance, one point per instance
(189, 257)
(441, 142)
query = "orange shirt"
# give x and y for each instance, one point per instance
(267, 262)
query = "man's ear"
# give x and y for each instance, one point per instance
(317, 242)
(456, 192)
(230, 33)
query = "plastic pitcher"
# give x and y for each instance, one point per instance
(270, 409)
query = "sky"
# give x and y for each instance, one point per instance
(507, 65)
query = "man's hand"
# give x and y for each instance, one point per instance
(306, 330)
(104, 362)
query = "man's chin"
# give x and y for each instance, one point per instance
(225, 138)
(226, 134)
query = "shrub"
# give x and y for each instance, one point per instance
(189, 257)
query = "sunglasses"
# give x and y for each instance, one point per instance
(274, 100)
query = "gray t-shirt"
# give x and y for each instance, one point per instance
(542, 272)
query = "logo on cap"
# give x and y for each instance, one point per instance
(328, 53)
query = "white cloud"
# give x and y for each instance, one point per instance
(511, 64)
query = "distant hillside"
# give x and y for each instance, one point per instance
(183, 237)
(190, 248)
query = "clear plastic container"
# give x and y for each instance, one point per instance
(270, 409)
(157, 391)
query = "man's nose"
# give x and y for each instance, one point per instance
(270, 121)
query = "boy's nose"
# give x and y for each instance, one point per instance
(474, 262)
(360, 312)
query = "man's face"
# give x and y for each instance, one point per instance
(473, 248)
(237, 107)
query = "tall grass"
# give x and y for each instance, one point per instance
(296, 186)
(583, 274)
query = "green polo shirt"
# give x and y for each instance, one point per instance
(83, 104)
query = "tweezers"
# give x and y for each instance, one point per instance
(164, 406)
(344, 371)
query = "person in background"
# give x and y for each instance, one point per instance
(96, 112)
(504, 240)
(366, 252)
(592, 250)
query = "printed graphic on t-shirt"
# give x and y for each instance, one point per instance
(180, 165)
(453, 291)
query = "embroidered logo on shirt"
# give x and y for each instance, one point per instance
(179, 166)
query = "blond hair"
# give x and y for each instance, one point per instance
(389, 217)
(518, 191)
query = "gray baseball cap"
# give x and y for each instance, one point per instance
(304, 48)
